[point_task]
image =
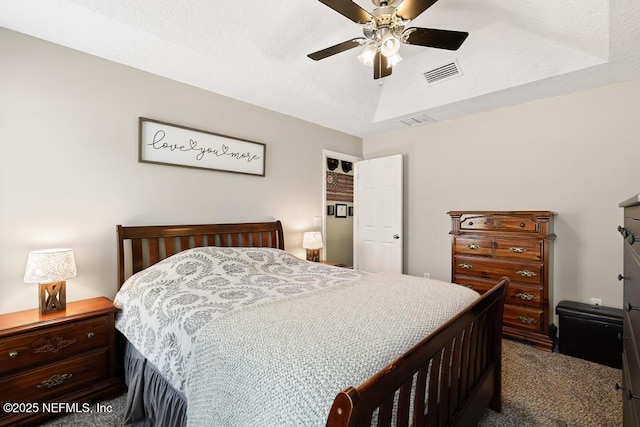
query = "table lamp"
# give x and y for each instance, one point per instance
(51, 268)
(312, 242)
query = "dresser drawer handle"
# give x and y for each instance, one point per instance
(628, 393)
(518, 250)
(631, 307)
(465, 266)
(473, 246)
(54, 381)
(526, 319)
(526, 296)
(13, 354)
(632, 239)
(526, 273)
(90, 335)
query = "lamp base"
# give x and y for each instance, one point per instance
(53, 297)
(313, 255)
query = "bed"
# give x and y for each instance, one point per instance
(409, 374)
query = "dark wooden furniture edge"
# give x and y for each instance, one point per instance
(26, 320)
(471, 341)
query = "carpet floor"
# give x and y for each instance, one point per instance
(540, 389)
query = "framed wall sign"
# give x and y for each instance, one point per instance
(168, 144)
(341, 210)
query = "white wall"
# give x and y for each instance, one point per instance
(576, 155)
(69, 170)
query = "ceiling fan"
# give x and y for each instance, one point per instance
(384, 30)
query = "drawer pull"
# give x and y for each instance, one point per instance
(526, 319)
(628, 393)
(13, 354)
(620, 277)
(632, 239)
(54, 381)
(90, 335)
(526, 273)
(633, 307)
(465, 266)
(518, 250)
(526, 296)
(473, 246)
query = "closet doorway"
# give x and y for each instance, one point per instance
(338, 206)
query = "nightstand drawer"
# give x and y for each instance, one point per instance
(55, 379)
(35, 348)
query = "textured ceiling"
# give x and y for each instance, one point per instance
(255, 51)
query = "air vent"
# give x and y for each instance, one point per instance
(443, 72)
(417, 120)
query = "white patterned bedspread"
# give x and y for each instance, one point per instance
(164, 306)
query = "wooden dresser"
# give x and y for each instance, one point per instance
(487, 245)
(56, 363)
(631, 312)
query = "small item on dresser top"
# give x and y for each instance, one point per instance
(51, 268)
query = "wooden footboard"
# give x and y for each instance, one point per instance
(447, 379)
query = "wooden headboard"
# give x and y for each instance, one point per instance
(150, 244)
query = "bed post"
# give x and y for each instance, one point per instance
(496, 401)
(342, 409)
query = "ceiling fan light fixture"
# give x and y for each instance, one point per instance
(367, 55)
(394, 59)
(389, 45)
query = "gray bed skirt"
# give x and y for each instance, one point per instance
(151, 401)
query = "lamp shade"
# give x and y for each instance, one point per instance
(50, 265)
(312, 240)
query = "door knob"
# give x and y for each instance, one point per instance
(396, 236)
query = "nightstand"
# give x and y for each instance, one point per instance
(47, 361)
(335, 264)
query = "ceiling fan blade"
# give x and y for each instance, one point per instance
(340, 47)
(409, 9)
(430, 37)
(349, 9)
(381, 66)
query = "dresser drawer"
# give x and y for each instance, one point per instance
(528, 250)
(473, 246)
(528, 296)
(34, 348)
(530, 273)
(506, 223)
(523, 318)
(479, 285)
(55, 379)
